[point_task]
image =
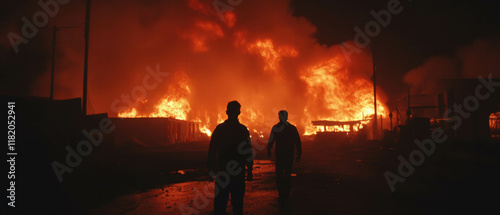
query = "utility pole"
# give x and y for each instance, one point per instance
(54, 33)
(397, 116)
(408, 97)
(408, 110)
(52, 72)
(390, 117)
(86, 59)
(382, 123)
(375, 124)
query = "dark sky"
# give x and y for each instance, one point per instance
(424, 28)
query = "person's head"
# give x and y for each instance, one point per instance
(233, 109)
(283, 115)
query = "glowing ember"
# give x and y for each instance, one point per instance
(495, 124)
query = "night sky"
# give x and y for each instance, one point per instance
(177, 63)
(424, 29)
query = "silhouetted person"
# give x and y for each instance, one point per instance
(287, 140)
(229, 152)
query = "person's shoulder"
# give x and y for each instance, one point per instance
(278, 124)
(292, 125)
(279, 127)
(243, 127)
(244, 131)
(219, 127)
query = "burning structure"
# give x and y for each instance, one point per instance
(268, 61)
(155, 131)
(339, 130)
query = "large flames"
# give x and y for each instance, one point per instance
(266, 72)
(168, 107)
(174, 104)
(333, 96)
(272, 56)
(330, 95)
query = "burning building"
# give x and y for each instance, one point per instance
(340, 131)
(258, 54)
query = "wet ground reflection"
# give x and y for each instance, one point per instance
(197, 195)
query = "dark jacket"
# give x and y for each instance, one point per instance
(230, 141)
(287, 140)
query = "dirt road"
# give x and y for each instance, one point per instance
(328, 179)
(335, 179)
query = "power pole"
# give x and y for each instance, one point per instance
(54, 33)
(390, 117)
(382, 123)
(408, 110)
(397, 116)
(375, 124)
(86, 59)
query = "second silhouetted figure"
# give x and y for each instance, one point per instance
(287, 140)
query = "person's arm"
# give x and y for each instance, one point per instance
(212, 151)
(298, 145)
(249, 160)
(270, 144)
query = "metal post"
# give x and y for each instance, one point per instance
(375, 124)
(390, 116)
(86, 59)
(397, 116)
(54, 33)
(408, 109)
(382, 123)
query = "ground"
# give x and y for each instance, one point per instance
(331, 178)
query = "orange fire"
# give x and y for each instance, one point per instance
(266, 73)
(175, 104)
(495, 123)
(271, 54)
(205, 130)
(332, 96)
(167, 108)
